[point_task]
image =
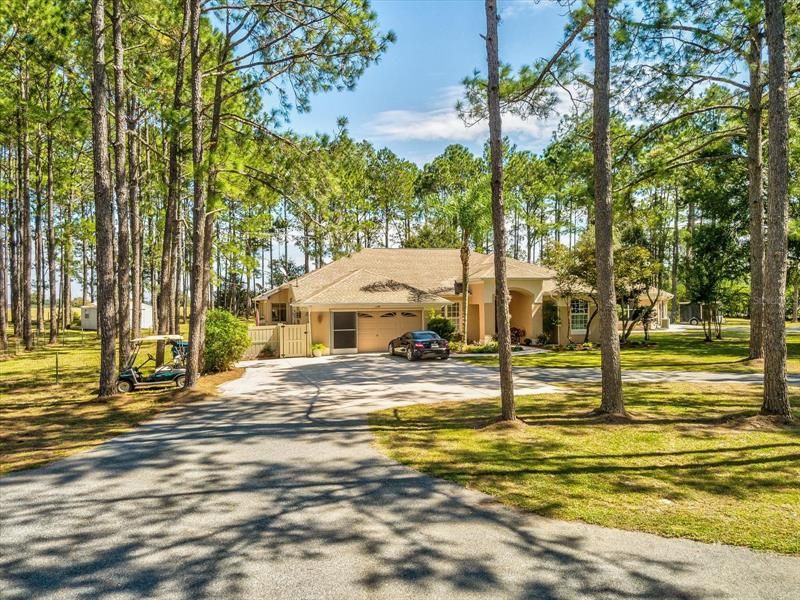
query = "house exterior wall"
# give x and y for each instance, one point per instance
(321, 328)
(279, 297)
(566, 336)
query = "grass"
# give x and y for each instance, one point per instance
(673, 351)
(694, 462)
(42, 420)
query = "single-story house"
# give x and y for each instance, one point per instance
(361, 302)
(89, 317)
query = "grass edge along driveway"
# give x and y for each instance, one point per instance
(695, 462)
(672, 351)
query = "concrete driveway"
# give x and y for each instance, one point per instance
(275, 491)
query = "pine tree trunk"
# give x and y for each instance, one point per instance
(464, 285)
(197, 315)
(776, 393)
(612, 400)
(66, 263)
(13, 257)
(674, 305)
(755, 193)
(106, 321)
(124, 315)
(502, 297)
(135, 223)
(38, 238)
(163, 305)
(177, 271)
(23, 169)
(51, 237)
(4, 215)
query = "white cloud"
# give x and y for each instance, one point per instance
(442, 124)
(515, 8)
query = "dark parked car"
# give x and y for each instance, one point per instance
(420, 344)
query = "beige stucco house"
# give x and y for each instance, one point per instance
(361, 302)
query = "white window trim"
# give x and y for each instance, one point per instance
(454, 319)
(571, 313)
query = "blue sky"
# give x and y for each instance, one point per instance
(406, 101)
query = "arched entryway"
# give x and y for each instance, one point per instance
(521, 308)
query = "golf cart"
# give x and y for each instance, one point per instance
(173, 373)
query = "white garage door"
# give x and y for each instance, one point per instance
(377, 328)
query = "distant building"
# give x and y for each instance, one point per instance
(89, 317)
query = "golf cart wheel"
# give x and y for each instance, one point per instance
(180, 381)
(123, 386)
(694, 321)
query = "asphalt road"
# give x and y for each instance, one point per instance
(275, 491)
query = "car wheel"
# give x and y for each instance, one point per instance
(409, 354)
(123, 386)
(180, 381)
(446, 356)
(694, 321)
(391, 349)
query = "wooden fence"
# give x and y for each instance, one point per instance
(279, 341)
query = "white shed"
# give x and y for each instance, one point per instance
(89, 317)
(146, 318)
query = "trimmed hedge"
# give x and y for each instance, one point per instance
(444, 327)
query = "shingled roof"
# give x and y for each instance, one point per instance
(397, 275)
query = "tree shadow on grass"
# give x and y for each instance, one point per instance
(249, 497)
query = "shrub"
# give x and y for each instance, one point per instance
(444, 327)
(226, 341)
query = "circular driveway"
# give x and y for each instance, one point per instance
(275, 491)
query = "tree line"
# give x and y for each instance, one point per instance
(186, 186)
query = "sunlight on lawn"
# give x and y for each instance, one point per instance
(42, 420)
(681, 468)
(673, 351)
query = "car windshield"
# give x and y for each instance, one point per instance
(425, 335)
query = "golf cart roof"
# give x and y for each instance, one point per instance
(158, 338)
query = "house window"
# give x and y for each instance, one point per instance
(578, 316)
(279, 312)
(452, 312)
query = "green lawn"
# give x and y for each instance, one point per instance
(673, 351)
(42, 420)
(692, 463)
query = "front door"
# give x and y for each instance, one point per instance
(344, 334)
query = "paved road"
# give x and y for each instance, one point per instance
(274, 491)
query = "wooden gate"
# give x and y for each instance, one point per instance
(295, 340)
(280, 341)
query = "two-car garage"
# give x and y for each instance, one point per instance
(371, 330)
